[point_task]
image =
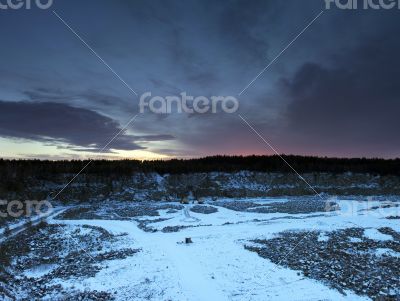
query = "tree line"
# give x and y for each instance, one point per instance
(47, 170)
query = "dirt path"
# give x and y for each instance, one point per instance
(187, 217)
(195, 282)
(32, 222)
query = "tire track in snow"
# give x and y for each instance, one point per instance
(194, 282)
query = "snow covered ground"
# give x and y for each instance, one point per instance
(216, 266)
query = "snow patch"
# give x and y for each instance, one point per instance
(386, 252)
(376, 235)
(323, 237)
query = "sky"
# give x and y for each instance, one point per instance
(71, 78)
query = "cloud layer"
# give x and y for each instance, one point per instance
(67, 127)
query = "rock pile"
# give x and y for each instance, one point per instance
(204, 209)
(298, 206)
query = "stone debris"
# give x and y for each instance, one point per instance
(299, 206)
(44, 245)
(346, 260)
(204, 209)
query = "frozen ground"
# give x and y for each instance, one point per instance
(221, 263)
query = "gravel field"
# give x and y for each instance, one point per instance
(241, 249)
(41, 248)
(290, 207)
(343, 259)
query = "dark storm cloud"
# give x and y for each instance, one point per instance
(66, 126)
(243, 25)
(355, 100)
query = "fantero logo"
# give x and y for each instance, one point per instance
(16, 208)
(363, 4)
(25, 4)
(185, 103)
